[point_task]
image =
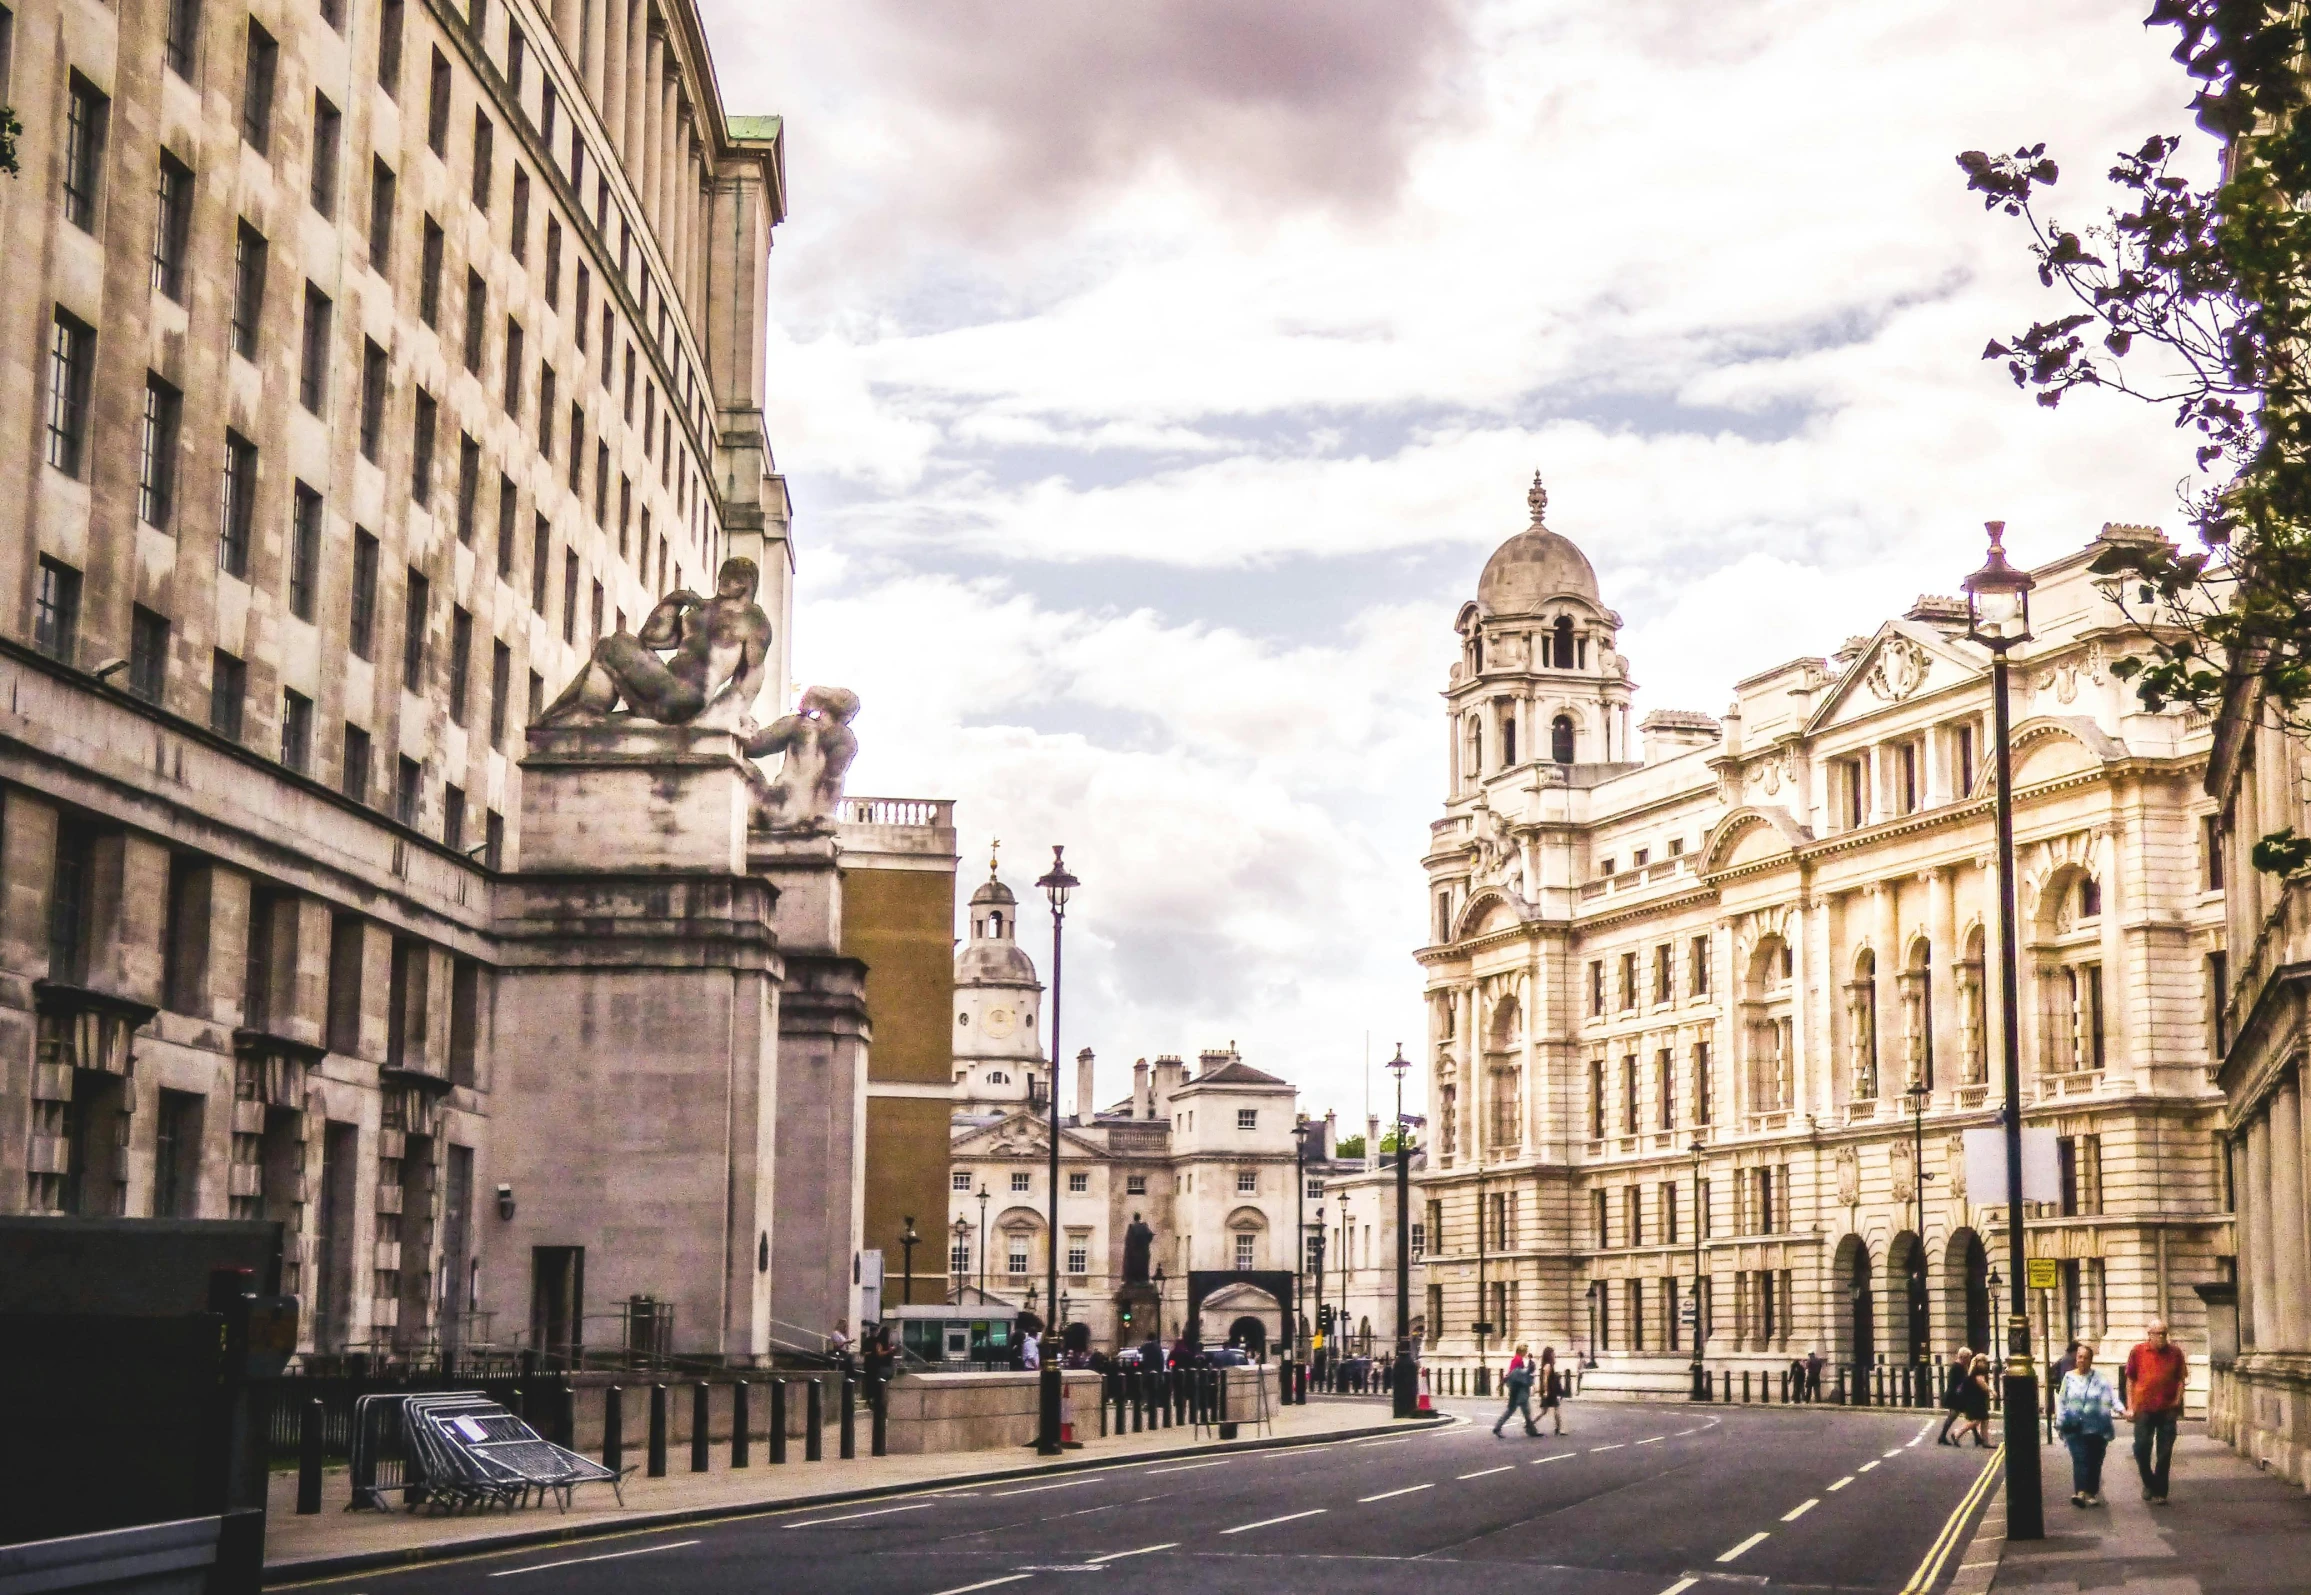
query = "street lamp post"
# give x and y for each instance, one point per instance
(1700, 1374)
(1404, 1378)
(1317, 1241)
(1057, 886)
(983, 1243)
(961, 1232)
(908, 1241)
(1915, 1287)
(1300, 1134)
(1159, 1323)
(1998, 617)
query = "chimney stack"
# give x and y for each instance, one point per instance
(1086, 1104)
(1372, 1140)
(1170, 1075)
(1142, 1106)
(1331, 1133)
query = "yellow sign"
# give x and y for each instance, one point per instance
(2041, 1275)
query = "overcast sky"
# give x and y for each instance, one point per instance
(1153, 378)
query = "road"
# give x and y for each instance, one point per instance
(1630, 1500)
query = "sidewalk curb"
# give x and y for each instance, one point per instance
(289, 1574)
(1977, 1572)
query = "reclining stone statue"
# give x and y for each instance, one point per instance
(818, 745)
(716, 656)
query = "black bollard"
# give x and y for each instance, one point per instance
(777, 1422)
(1785, 1387)
(614, 1429)
(878, 1416)
(657, 1431)
(1745, 1387)
(565, 1415)
(309, 1439)
(514, 1403)
(813, 1423)
(849, 1435)
(739, 1421)
(699, 1427)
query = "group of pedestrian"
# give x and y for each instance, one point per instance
(1966, 1398)
(1524, 1378)
(2086, 1407)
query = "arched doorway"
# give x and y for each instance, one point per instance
(1909, 1317)
(1858, 1339)
(1251, 1334)
(1966, 1277)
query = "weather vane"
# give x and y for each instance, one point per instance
(1538, 498)
(994, 852)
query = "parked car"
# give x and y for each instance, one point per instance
(1225, 1357)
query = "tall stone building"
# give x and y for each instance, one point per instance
(367, 364)
(1698, 1002)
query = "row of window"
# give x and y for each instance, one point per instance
(1629, 991)
(1078, 1182)
(1890, 780)
(1666, 1093)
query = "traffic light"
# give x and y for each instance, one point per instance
(1127, 1315)
(1324, 1318)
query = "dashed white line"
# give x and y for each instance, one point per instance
(1681, 1586)
(1387, 1495)
(1865, 1467)
(1749, 1544)
(851, 1517)
(1682, 1433)
(1559, 1457)
(1654, 1440)
(1895, 1452)
(607, 1556)
(1117, 1556)
(1271, 1522)
(985, 1583)
(1371, 1444)
(1483, 1472)
(1038, 1489)
(1190, 1467)
(1615, 1446)
(1801, 1509)
(1842, 1483)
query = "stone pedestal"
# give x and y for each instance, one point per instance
(629, 795)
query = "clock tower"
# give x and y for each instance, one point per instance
(999, 1063)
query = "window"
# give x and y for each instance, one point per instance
(1703, 1094)
(382, 187)
(513, 369)
(2218, 1002)
(362, 617)
(408, 790)
(959, 1180)
(569, 596)
(609, 350)
(327, 121)
(541, 553)
(1664, 985)
(546, 413)
(86, 114)
(484, 145)
(460, 661)
(1596, 988)
(304, 552)
(184, 36)
(148, 653)
(1962, 747)
(1596, 1099)
(2089, 897)
(601, 482)
(172, 227)
(1850, 776)
(453, 817)
(437, 107)
(313, 374)
(1697, 966)
(1015, 1254)
(1247, 1118)
(1628, 981)
(553, 263)
(476, 318)
(228, 691)
(1020, 1181)
(520, 241)
(1314, 1189)
(389, 31)
(429, 275)
(464, 1019)
(373, 379)
(959, 1254)
(1665, 1089)
(1247, 1182)
(1078, 1183)
(237, 528)
(56, 611)
(1244, 1258)
(585, 293)
(1909, 784)
(501, 686)
(416, 597)
(550, 104)
(249, 251)
(468, 485)
(1669, 1226)
(71, 363)
(353, 774)
(257, 89)
(1135, 1185)
(296, 730)
(156, 459)
(576, 475)
(2211, 852)
(1078, 1255)
(508, 511)
(1629, 1094)
(176, 1155)
(421, 451)
(517, 55)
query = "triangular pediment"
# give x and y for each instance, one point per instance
(1020, 1134)
(1903, 661)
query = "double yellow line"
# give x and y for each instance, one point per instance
(1938, 1554)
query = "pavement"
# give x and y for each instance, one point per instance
(2228, 1528)
(1630, 1500)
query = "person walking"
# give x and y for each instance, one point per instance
(1518, 1382)
(2082, 1416)
(1552, 1388)
(1954, 1390)
(1814, 1363)
(1974, 1402)
(2155, 1374)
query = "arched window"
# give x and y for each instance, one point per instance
(1561, 739)
(1472, 765)
(2089, 897)
(1862, 1026)
(1508, 736)
(1563, 652)
(994, 924)
(1918, 1014)
(1476, 651)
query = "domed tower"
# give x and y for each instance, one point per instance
(999, 1061)
(1538, 680)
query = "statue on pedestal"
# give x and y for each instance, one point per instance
(817, 745)
(716, 655)
(1138, 1241)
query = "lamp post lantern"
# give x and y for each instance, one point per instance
(1058, 885)
(1404, 1378)
(908, 1241)
(1700, 1390)
(1998, 617)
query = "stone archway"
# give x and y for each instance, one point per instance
(1909, 1313)
(1251, 1334)
(1965, 1276)
(1853, 1331)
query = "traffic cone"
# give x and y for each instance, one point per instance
(1425, 1405)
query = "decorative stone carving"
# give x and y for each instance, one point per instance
(696, 661)
(1849, 1176)
(1903, 1170)
(1955, 1164)
(1138, 1241)
(1898, 671)
(1498, 860)
(817, 746)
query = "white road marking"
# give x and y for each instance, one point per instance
(1038, 1489)
(1655, 1440)
(1615, 1446)
(1482, 1472)
(1865, 1467)
(1370, 1444)
(1895, 1452)
(1800, 1510)
(1559, 1457)
(1270, 1522)
(1682, 1433)
(1681, 1586)
(849, 1517)
(606, 1556)
(1190, 1467)
(1410, 1489)
(1145, 1550)
(985, 1583)
(1749, 1544)
(1842, 1483)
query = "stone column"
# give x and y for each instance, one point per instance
(612, 105)
(2255, 1209)
(1886, 938)
(2118, 983)
(595, 53)
(1942, 996)
(569, 26)
(637, 32)
(2286, 1240)
(646, 166)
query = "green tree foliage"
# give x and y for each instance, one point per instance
(2197, 298)
(10, 130)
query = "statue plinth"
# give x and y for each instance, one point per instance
(621, 795)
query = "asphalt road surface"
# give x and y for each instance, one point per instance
(1630, 1500)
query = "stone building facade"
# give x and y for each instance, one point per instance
(1696, 1009)
(367, 364)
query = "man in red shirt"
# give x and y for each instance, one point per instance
(2155, 1371)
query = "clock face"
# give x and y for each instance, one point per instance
(999, 1022)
